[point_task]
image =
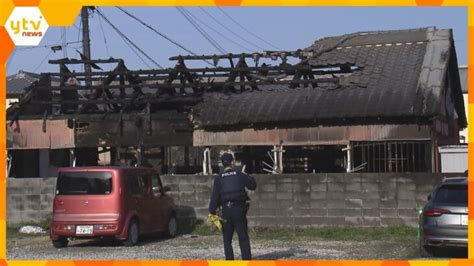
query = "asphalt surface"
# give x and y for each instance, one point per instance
(191, 247)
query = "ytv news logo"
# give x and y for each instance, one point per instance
(26, 26)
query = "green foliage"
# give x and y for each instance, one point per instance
(339, 233)
(196, 226)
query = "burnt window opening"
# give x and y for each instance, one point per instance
(24, 163)
(296, 159)
(392, 156)
(59, 157)
(314, 159)
(82, 125)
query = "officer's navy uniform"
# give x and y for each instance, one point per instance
(229, 192)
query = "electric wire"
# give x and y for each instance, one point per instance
(246, 30)
(134, 51)
(218, 32)
(61, 39)
(103, 34)
(230, 30)
(127, 39)
(201, 30)
(157, 31)
(75, 26)
(64, 41)
(79, 30)
(42, 61)
(46, 46)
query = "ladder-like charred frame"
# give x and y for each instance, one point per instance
(180, 88)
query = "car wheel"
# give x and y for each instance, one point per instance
(60, 243)
(172, 229)
(424, 252)
(133, 234)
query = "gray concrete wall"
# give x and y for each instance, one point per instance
(29, 199)
(280, 200)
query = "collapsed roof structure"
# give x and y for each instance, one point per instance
(372, 101)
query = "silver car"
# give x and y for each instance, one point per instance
(443, 221)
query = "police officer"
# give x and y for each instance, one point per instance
(229, 193)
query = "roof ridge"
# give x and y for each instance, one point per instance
(375, 32)
(398, 30)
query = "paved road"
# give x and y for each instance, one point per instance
(190, 247)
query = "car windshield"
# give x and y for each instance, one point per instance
(84, 183)
(452, 194)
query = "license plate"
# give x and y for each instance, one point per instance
(84, 230)
(463, 219)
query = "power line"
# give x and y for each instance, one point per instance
(61, 39)
(133, 50)
(64, 41)
(218, 32)
(126, 38)
(231, 31)
(156, 31)
(246, 30)
(103, 34)
(46, 46)
(42, 61)
(201, 30)
(79, 30)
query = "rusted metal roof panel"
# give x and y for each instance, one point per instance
(29, 134)
(336, 135)
(160, 129)
(134, 132)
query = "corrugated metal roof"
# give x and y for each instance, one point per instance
(399, 77)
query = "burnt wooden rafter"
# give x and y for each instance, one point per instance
(180, 88)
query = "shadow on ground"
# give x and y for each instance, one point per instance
(278, 255)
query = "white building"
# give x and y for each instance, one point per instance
(463, 77)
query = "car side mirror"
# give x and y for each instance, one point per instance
(429, 197)
(166, 188)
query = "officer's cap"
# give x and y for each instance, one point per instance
(227, 158)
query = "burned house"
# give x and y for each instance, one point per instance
(371, 102)
(396, 99)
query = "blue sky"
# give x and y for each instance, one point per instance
(288, 28)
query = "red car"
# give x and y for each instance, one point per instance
(119, 202)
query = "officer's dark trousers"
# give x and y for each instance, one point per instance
(236, 218)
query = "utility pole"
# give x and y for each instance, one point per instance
(86, 43)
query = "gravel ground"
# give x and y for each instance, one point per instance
(189, 247)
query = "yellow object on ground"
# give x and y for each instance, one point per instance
(216, 220)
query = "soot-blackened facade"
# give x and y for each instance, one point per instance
(399, 100)
(362, 102)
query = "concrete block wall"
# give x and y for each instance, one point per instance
(29, 199)
(287, 200)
